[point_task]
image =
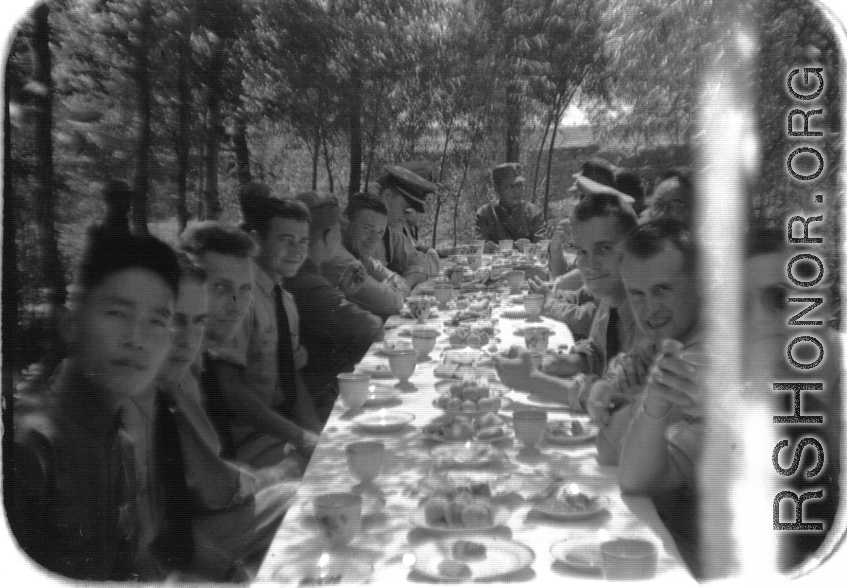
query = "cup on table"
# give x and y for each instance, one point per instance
(530, 426)
(474, 260)
(420, 307)
(534, 304)
(537, 339)
(423, 341)
(457, 272)
(629, 559)
(353, 389)
(364, 459)
(506, 245)
(516, 280)
(339, 516)
(478, 245)
(402, 364)
(443, 294)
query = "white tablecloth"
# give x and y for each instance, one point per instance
(387, 533)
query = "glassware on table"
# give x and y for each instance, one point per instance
(537, 339)
(443, 294)
(530, 426)
(353, 388)
(420, 307)
(516, 280)
(456, 273)
(402, 363)
(534, 304)
(364, 459)
(423, 341)
(474, 260)
(629, 559)
(338, 516)
(506, 245)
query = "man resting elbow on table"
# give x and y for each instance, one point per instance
(600, 222)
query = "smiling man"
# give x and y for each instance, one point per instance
(600, 223)
(510, 216)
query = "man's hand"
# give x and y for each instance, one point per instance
(603, 400)
(491, 247)
(673, 382)
(633, 374)
(515, 373)
(352, 278)
(538, 286)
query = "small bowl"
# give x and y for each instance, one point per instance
(420, 307)
(537, 339)
(529, 426)
(353, 388)
(629, 559)
(534, 304)
(516, 280)
(364, 459)
(474, 261)
(423, 341)
(443, 294)
(402, 363)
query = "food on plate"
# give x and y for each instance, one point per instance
(462, 512)
(450, 427)
(566, 429)
(572, 503)
(455, 570)
(469, 396)
(468, 550)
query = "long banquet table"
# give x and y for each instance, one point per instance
(388, 537)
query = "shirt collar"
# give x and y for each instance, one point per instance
(263, 280)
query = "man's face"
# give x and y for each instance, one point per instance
(187, 328)
(364, 233)
(511, 194)
(120, 331)
(396, 204)
(663, 296)
(230, 292)
(597, 243)
(668, 201)
(285, 247)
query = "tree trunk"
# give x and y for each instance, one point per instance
(212, 204)
(557, 113)
(141, 181)
(540, 152)
(50, 265)
(328, 166)
(372, 139)
(241, 150)
(355, 132)
(316, 154)
(183, 144)
(447, 134)
(513, 124)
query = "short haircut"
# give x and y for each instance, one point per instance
(189, 270)
(604, 204)
(257, 216)
(683, 177)
(650, 238)
(764, 238)
(365, 201)
(216, 237)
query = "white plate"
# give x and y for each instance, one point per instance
(338, 569)
(438, 439)
(600, 506)
(379, 394)
(500, 516)
(503, 556)
(590, 432)
(582, 556)
(384, 423)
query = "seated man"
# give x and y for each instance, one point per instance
(382, 291)
(596, 175)
(400, 188)
(673, 195)
(240, 381)
(240, 509)
(575, 308)
(510, 216)
(82, 504)
(335, 332)
(600, 223)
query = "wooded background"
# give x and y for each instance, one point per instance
(185, 99)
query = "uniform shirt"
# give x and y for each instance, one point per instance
(254, 347)
(403, 258)
(523, 221)
(336, 332)
(575, 308)
(383, 292)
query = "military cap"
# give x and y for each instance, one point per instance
(507, 173)
(410, 185)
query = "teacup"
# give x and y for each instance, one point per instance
(339, 516)
(420, 307)
(506, 245)
(516, 280)
(365, 459)
(534, 304)
(629, 559)
(530, 426)
(474, 261)
(537, 339)
(457, 272)
(402, 363)
(353, 389)
(443, 294)
(423, 341)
